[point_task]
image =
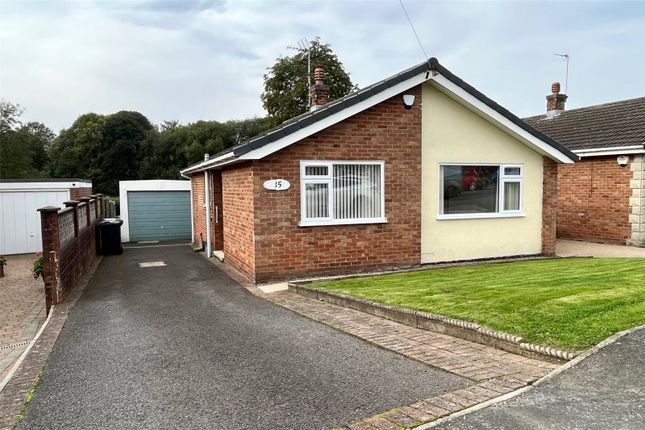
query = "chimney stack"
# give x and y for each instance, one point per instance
(319, 92)
(555, 101)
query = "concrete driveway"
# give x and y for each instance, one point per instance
(574, 248)
(604, 391)
(184, 346)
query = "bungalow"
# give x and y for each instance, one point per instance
(601, 198)
(418, 168)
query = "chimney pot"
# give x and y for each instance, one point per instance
(319, 92)
(555, 101)
(319, 74)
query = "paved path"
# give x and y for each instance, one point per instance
(22, 309)
(605, 391)
(184, 346)
(574, 248)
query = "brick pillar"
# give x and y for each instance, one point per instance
(51, 251)
(637, 202)
(86, 200)
(97, 210)
(549, 206)
(101, 201)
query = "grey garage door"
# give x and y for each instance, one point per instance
(159, 215)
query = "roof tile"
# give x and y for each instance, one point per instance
(608, 125)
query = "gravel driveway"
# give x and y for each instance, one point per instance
(184, 346)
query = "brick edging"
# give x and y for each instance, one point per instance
(438, 323)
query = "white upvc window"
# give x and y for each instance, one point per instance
(475, 190)
(341, 192)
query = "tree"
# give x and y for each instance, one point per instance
(23, 147)
(176, 146)
(286, 90)
(75, 152)
(121, 149)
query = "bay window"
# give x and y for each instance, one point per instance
(341, 192)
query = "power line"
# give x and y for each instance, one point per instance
(413, 30)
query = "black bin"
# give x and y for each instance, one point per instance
(108, 237)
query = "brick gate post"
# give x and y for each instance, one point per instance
(51, 251)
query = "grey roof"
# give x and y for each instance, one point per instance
(292, 125)
(608, 125)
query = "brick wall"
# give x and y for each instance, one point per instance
(549, 206)
(238, 218)
(66, 261)
(77, 193)
(199, 214)
(593, 200)
(283, 249)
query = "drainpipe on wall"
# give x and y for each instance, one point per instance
(207, 200)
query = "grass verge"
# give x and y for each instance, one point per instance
(566, 303)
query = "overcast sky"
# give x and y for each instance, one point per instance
(192, 60)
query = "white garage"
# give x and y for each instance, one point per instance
(155, 210)
(20, 200)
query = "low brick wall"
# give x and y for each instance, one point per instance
(437, 323)
(69, 244)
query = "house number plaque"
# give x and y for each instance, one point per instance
(277, 184)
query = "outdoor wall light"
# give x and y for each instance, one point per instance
(408, 101)
(622, 160)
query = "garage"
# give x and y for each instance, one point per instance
(20, 200)
(155, 210)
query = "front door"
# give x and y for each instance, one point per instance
(217, 219)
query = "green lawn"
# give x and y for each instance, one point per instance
(566, 303)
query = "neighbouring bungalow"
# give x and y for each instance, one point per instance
(601, 198)
(418, 168)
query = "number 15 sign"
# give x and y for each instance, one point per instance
(277, 184)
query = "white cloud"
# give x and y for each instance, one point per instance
(205, 60)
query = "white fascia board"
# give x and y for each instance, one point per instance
(609, 151)
(154, 185)
(497, 118)
(42, 186)
(317, 126)
(613, 150)
(213, 162)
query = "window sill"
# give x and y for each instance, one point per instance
(327, 222)
(480, 216)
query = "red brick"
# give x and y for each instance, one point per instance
(593, 201)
